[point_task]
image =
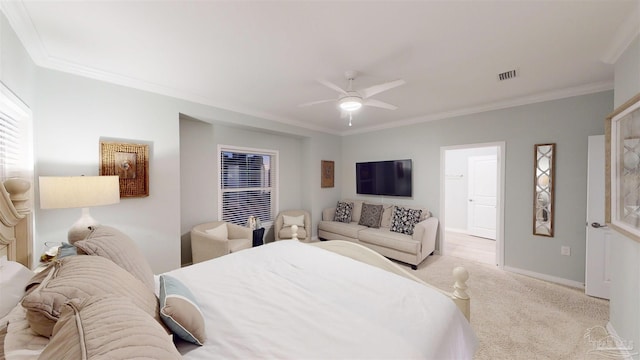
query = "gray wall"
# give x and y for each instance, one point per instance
(567, 122)
(199, 167)
(624, 307)
(17, 70)
(72, 113)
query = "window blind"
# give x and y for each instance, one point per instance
(247, 185)
(16, 153)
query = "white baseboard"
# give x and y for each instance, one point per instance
(545, 277)
(461, 231)
(624, 351)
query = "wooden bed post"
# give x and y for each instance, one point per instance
(460, 296)
(16, 219)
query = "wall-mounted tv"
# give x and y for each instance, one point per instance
(391, 178)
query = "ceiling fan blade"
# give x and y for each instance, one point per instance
(376, 89)
(332, 86)
(379, 104)
(316, 102)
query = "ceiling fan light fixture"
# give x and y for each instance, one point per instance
(350, 103)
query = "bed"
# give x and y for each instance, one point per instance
(287, 299)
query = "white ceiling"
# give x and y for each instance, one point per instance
(263, 58)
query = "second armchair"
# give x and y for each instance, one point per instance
(284, 220)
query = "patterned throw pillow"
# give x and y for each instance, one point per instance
(404, 220)
(343, 212)
(371, 215)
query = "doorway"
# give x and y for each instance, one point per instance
(472, 189)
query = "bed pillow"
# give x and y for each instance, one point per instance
(404, 220)
(343, 212)
(114, 245)
(108, 327)
(293, 220)
(371, 215)
(180, 312)
(13, 280)
(81, 277)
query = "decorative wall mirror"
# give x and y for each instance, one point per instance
(623, 168)
(543, 189)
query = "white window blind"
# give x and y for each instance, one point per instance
(16, 144)
(247, 184)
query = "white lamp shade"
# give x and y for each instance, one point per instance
(59, 192)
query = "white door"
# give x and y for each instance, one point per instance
(481, 209)
(597, 278)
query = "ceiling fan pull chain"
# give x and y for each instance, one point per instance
(350, 117)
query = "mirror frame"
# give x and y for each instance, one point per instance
(551, 190)
(614, 138)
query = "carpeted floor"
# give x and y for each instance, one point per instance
(518, 317)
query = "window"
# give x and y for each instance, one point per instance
(248, 184)
(16, 153)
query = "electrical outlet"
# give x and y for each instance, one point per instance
(565, 250)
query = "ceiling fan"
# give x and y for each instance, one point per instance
(351, 100)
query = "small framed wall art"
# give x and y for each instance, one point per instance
(326, 173)
(130, 162)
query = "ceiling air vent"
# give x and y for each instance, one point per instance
(507, 75)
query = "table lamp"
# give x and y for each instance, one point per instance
(62, 192)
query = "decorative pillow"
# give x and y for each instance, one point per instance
(108, 327)
(371, 215)
(343, 212)
(80, 277)
(357, 209)
(114, 245)
(293, 220)
(219, 231)
(404, 220)
(386, 216)
(180, 311)
(13, 279)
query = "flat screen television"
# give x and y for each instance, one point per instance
(391, 178)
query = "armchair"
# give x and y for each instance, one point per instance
(282, 228)
(214, 239)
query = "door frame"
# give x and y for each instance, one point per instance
(500, 157)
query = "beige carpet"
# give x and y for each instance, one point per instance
(518, 317)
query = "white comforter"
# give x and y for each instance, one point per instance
(291, 300)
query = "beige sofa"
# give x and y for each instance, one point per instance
(410, 249)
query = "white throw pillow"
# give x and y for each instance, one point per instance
(293, 220)
(13, 278)
(218, 232)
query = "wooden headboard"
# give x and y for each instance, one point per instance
(16, 222)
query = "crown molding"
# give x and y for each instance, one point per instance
(525, 100)
(21, 23)
(117, 79)
(625, 34)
